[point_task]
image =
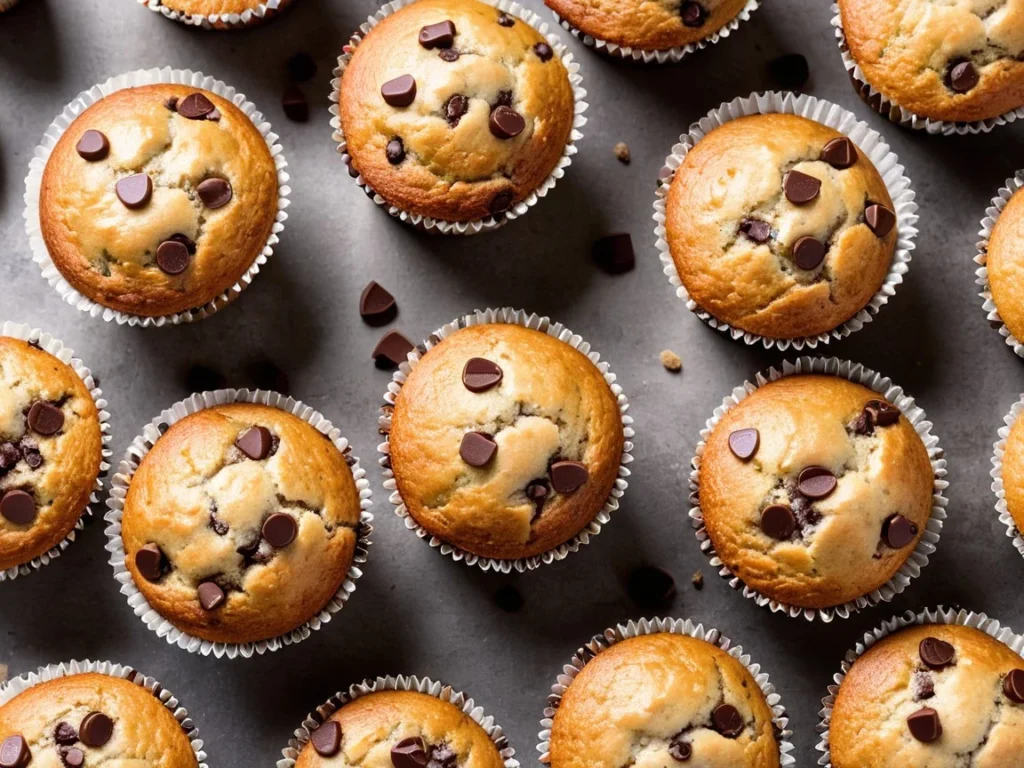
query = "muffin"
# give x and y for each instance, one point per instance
(158, 199)
(91, 719)
(51, 451)
(1013, 472)
(1004, 260)
(504, 441)
(241, 523)
(399, 728)
(455, 110)
(814, 490)
(958, 61)
(219, 14)
(938, 695)
(779, 226)
(656, 700)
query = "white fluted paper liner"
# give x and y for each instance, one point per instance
(988, 224)
(262, 12)
(868, 141)
(55, 347)
(688, 627)
(556, 331)
(79, 104)
(142, 445)
(999, 450)
(937, 615)
(397, 683)
(897, 114)
(70, 668)
(858, 374)
(430, 224)
(665, 55)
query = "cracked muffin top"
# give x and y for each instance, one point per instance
(504, 441)
(815, 490)
(779, 226)
(655, 701)
(157, 199)
(241, 523)
(91, 720)
(455, 110)
(1005, 263)
(51, 449)
(957, 60)
(942, 696)
(649, 25)
(399, 729)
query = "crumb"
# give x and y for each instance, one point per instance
(671, 360)
(698, 581)
(622, 152)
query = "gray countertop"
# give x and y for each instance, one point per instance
(415, 611)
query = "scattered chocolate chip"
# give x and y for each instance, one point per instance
(501, 203)
(726, 719)
(808, 252)
(65, 734)
(621, 151)
(963, 76)
(214, 192)
(376, 305)
(400, 92)
(650, 587)
(816, 482)
(195, 106)
(509, 599)
(72, 758)
(301, 67)
(392, 350)
(778, 521)
(172, 103)
(481, 374)
(744, 443)
(614, 253)
(790, 71)
(150, 562)
(693, 14)
(922, 686)
(409, 753)
(505, 20)
(1013, 685)
(93, 146)
(440, 35)
(506, 123)
(45, 419)
(184, 240)
(925, 725)
(255, 443)
(199, 378)
(9, 456)
(444, 755)
(671, 361)
(936, 653)
(172, 257)
(18, 506)
(280, 530)
(879, 413)
(840, 153)
(448, 54)
(295, 104)
(96, 729)
(214, 115)
(543, 51)
(477, 449)
(567, 476)
(211, 596)
(757, 230)
(680, 750)
(898, 531)
(30, 452)
(879, 219)
(14, 752)
(219, 526)
(395, 151)
(455, 108)
(326, 739)
(697, 580)
(800, 188)
(134, 191)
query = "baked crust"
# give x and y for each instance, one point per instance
(71, 458)
(905, 49)
(455, 173)
(1005, 264)
(629, 702)
(195, 478)
(107, 251)
(981, 727)
(207, 7)
(552, 403)
(837, 553)
(1013, 472)
(145, 732)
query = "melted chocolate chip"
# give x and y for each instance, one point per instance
(215, 192)
(96, 729)
(455, 108)
(757, 230)
(45, 418)
(409, 753)
(500, 203)
(963, 76)
(150, 562)
(680, 751)
(568, 476)
(280, 530)
(1013, 685)
(65, 734)
(172, 257)
(808, 252)
(505, 20)
(195, 106)
(778, 521)
(936, 653)
(506, 123)
(395, 151)
(726, 719)
(693, 14)
(543, 51)
(898, 531)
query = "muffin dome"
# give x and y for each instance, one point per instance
(1005, 260)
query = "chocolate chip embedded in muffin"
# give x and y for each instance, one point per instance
(326, 739)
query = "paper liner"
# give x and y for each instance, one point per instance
(397, 683)
(999, 449)
(85, 99)
(142, 445)
(69, 668)
(988, 224)
(490, 223)
(665, 55)
(858, 374)
(897, 114)
(262, 12)
(55, 347)
(656, 626)
(557, 331)
(938, 615)
(868, 141)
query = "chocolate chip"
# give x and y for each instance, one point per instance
(172, 257)
(726, 719)
(455, 108)
(790, 71)
(816, 482)
(963, 76)
(936, 653)
(693, 14)
(480, 374)
(96, 729)
(294, 104)
(614, 253)
(444, 755)
(409, 753)
(744, 443)
(477, 449)
(65, 734)
(211, 596)
(400, 92)
(650, 587)
(326, 739)
(506, 123)
(184, 240)
(9, 456)
(680, 750)
(214, 115)
(19, 507)
(778, 521)
(501, 203)
(214, 192)
(505, 20)
(757, 230)
(93, 146)
(898, 531)
(509, 599)
(448, 54)
(800, 188)
(150, 562)
(219, 526)
(14, 752)
(808, 252)
(376, 305)
(195, 106)
(44, 418)
(393, 349)
(73, 758)
(840, 153)
(1013, 685)
(537, 491)
(881, 413)
(922, 686)
(395, 151)
(301, 67)
(543, 51)
(440, 35)
(879, 219)
(255, 443)
(31, 454)
(567, 476)
(172, 103)
(925, 725)
(134, 191)
(280, 530)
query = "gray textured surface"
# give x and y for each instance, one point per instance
(414, 611)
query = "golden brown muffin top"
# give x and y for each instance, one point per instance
(1005, 263)
(1013, 472)
(209, 7)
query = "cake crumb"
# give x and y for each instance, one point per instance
(622, 152)
(671, 360)
(698, 581)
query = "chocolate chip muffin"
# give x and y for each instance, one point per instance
(779, 226)
(504, 441)
(648, 26)
(657, 700)
(252, 11)
(455, 110)
(1004, 260)
(958, 61)
(91, 719)
(51, 451)
(814, 490)
(241, 523)
(1013, 472)
(939, 695)
(399, 729)
(158, 199)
